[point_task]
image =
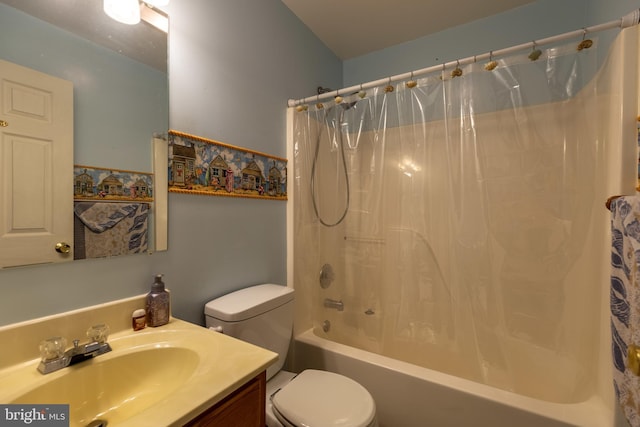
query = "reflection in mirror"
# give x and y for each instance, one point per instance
(118, 73)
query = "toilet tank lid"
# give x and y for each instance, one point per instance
(248, 302)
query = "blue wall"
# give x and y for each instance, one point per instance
(231, 73)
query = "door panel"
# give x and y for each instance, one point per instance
(36, 156)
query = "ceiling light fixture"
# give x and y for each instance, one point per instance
(155, 17)
(125, 11)
(157, 3)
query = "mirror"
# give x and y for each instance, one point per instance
(119, 76)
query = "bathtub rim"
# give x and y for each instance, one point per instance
(592, 412)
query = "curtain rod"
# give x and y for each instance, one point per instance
(630, 19)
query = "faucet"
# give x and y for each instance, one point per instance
(54, 356)
(331, 303)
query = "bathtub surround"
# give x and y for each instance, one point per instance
(475, 243)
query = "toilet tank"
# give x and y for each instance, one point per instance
(261, 315)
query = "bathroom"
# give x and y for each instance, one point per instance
(229, 60)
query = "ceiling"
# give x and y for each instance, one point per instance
(349, 28)
(352, 28)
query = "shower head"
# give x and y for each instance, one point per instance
(348, 105)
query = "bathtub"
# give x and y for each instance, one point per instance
(407, 395)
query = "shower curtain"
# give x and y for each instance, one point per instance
(459, 212)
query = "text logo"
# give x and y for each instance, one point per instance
(34, 415)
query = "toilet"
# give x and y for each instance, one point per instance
(263, 315)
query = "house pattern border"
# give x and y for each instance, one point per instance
(203, 166)
(111, 185)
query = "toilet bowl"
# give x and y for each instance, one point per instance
(263, 316)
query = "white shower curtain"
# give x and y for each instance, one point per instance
(471, 204)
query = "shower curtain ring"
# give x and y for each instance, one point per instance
(389, 87)
(319, 105)
(361, 92)
(457, 72)
(491, 65)
(535, 53)
(585, 43)
(338, 98)
(411, 83)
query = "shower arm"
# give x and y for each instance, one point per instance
(629, 20)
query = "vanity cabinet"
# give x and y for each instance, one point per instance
(245, 407)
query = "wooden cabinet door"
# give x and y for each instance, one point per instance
(244, 407)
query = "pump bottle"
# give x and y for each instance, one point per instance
(158, 304)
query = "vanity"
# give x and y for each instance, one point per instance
(174, 375)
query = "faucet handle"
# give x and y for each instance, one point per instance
(98, 333)
(52, 348)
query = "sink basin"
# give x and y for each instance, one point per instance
(161, 376)
(116, 388)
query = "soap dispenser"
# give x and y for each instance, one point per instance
(158, 304)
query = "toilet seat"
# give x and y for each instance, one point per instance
(323, 399)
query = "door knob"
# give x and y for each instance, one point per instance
(63, 248)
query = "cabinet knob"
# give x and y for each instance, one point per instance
(3, 124)
(63, 248)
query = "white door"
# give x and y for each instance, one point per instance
(36, 167)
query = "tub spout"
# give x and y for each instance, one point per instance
(330, 303)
